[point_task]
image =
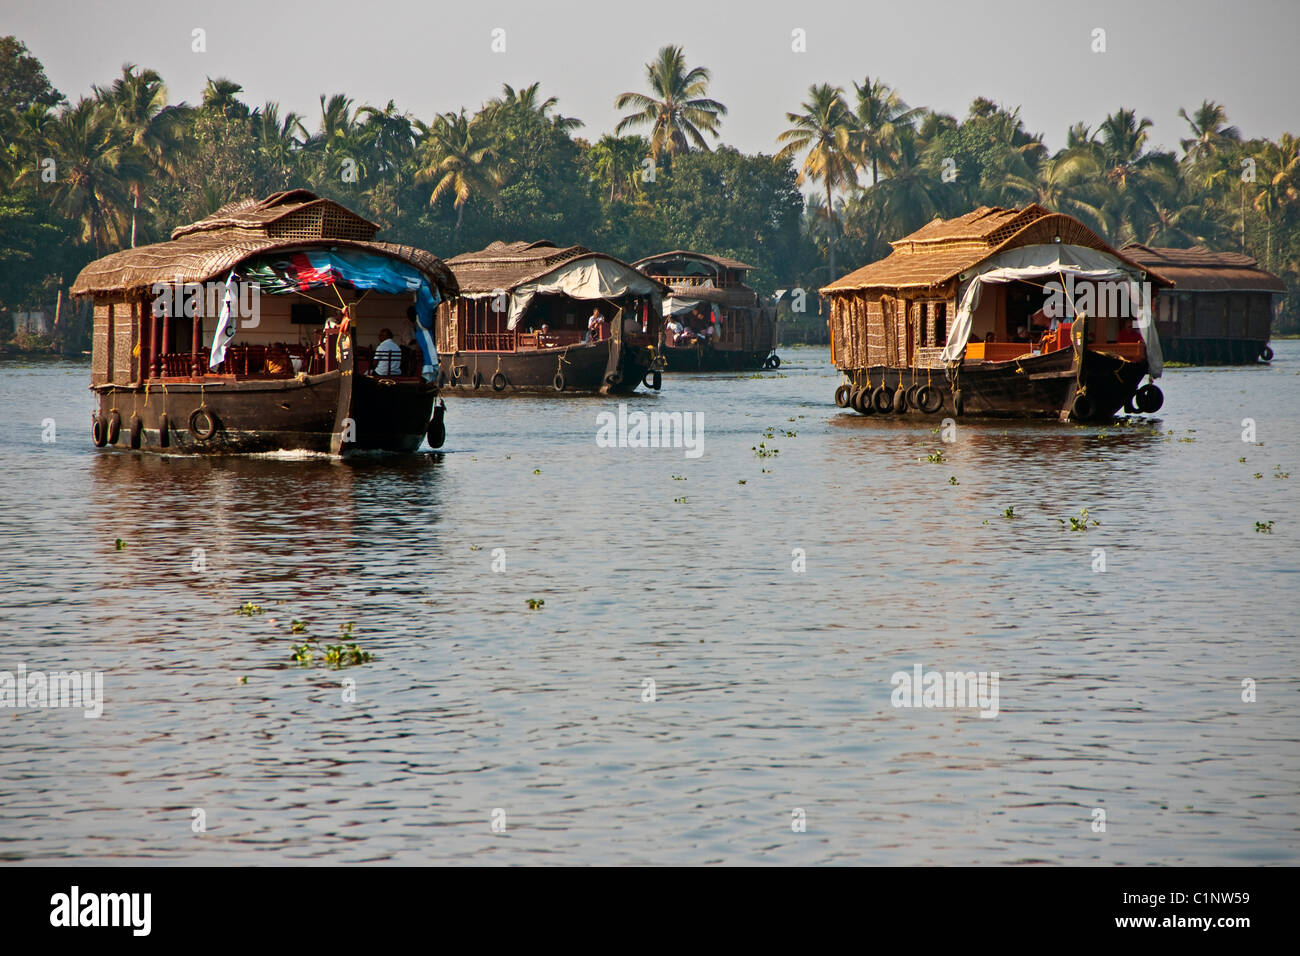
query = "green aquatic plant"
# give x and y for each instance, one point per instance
(740, 481)
(1263, 527)
(680, 501)
(952, 480)
(535, 604)
(1081, 522)
(248, 609)
(297, 627)
(762, 451)
(1010, 512)
(679, 477)
(119, 545)
(935, 459)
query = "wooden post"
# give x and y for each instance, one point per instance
(198, 333)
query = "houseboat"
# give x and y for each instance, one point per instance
(535, 317)
(1000, 312)
(274, 324)
(1220, 309)
(713, 321)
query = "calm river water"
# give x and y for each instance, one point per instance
(1119, 691)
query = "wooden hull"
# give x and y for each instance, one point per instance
(605, 368)
(252, 416)
(709, 359)
(1211, 351)
(1041, 386)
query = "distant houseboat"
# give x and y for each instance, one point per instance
(535, 317)
(258, 329)
(714, 322)
(1000, 312)
(1220, 310)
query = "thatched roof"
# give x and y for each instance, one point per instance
(211, 247)
(508, 265)
(721, 261)
(1199, 270)
(943, 249)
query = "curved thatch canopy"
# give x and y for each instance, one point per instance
(211, 247)
(943, 249)
(1199, 270)
(720, 261)
(504, 266)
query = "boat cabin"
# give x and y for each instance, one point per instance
(1220, 309)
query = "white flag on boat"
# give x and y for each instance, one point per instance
(225, 324)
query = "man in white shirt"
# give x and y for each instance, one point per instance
(388, 355)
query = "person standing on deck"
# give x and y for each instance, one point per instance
(388, 355)
(595, 325)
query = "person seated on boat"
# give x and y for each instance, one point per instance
(1022, 334)
(596, 325)
(672, 329)
(990, 337)
(388, 355)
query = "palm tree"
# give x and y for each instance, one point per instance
(279, 140)
(1210, 132)
(880, 112)
(681, 114)
(527, 99)
(616, 160)
(221, 96)
(152, 126)
(96, 165)
(823, 132)
(339, 140)
(1279, 185)
(455, 161)
(388, 135)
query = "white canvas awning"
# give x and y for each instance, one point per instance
(1048, 261)
(583, 278)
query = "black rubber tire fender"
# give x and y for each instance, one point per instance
(499, 382)
(900, 399)
(912, 391)
(843, 394)
(558, 382)
(929, 399)
(1149, 398)
(164, 431)
(477, 380)
(114, 427)
(776, 360)
(958, 403)
(1266, 353)
(99, 431)
(436, 433)
(1082, 408)
(135, 431)
(881, 400)
(203, 424)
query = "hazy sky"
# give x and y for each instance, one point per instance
(431, 57)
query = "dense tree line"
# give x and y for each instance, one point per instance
(124, 165)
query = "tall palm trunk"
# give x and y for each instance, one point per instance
(830, 228)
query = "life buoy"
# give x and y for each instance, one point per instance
(499, 382)
(477, 380)
(958, 404)
(881, 400)
(929, 399)
(437, 431)
(911, 393)
(900, 399)
(135, 431)
(114, 427)
(203, 424)
(1266, 354)
(99, 431)
(1149, 398)
(842, 395)
(558, 381)
(1082, 408)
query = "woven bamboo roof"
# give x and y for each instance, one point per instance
(508, 265)
(943, 249)
(722, 261)
(211, 247)
(1199, 270)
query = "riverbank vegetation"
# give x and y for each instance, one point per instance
(856, 166)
